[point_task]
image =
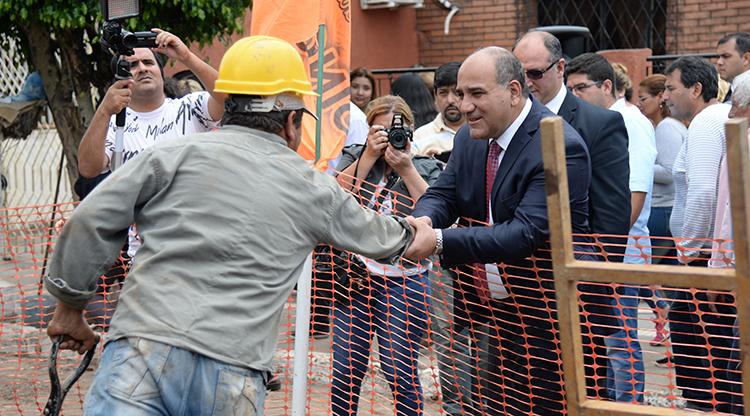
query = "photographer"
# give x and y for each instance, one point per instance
(151, 116)
(385, 300)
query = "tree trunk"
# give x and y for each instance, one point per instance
(68, 97)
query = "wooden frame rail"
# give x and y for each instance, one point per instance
(568, 271)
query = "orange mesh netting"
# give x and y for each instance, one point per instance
(405, 344)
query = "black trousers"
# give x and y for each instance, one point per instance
(702, 342)
(525, 373)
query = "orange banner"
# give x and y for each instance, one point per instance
(297, 22)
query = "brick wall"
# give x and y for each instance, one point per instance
(701, 23)
(479, 23)
(693, 26)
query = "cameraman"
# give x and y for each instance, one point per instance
(387, 301)
(151, 116)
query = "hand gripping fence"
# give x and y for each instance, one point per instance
(58, 391)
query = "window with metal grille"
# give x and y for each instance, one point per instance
(614, 24)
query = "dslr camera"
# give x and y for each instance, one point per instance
(398, 134)
(117, 39)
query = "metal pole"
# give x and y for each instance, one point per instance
(301, 339)
(319, 107)
(122, 72)
(51, 221)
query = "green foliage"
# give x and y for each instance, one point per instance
(68, 53)
(192, 20)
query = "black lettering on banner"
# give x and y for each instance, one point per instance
(345, 7)
(337, 104)
(341, 117)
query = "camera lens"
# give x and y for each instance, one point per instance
(398, 138)
(129, 39)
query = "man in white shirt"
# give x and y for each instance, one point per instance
(150, 117)
(591, 77)
(436, 137)
(734, 58)
(691, 88)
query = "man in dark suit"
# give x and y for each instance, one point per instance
(607, 140)
(516, 296)
(603, 131)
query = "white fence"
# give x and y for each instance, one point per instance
(31, 166)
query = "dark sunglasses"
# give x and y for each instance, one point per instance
(538, 73)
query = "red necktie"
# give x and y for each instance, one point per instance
(493, 161)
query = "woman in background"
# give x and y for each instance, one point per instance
(413, 90)
(362, 87)
(393, 303)
(670, 133)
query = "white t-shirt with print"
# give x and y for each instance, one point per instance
(175, 118)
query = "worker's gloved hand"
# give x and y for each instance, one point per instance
(69, 323)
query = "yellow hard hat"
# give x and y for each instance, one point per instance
(262, 65)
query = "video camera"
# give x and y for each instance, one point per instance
(398, 134)
(117, 39)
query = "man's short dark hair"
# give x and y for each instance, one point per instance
(446, 75)
(694, 70)
(270, 122)
(741, 41)
(595, 66)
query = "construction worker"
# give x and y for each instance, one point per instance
(227, 220)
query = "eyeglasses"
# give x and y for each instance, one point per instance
(538, 73)
(581, 87)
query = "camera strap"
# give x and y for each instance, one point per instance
(392, 180)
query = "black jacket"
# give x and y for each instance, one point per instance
(609, 194)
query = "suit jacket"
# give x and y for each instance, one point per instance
(607, 141)
(519, 205)
(520, 229)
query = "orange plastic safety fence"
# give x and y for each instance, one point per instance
(420, 340)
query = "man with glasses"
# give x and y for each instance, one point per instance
(592, 79)
(603, 131)
(605, 135)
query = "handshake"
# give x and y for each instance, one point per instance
(425, 239)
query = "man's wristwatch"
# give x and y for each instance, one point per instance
(438, 241)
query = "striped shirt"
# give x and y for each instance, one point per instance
(696, 177)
